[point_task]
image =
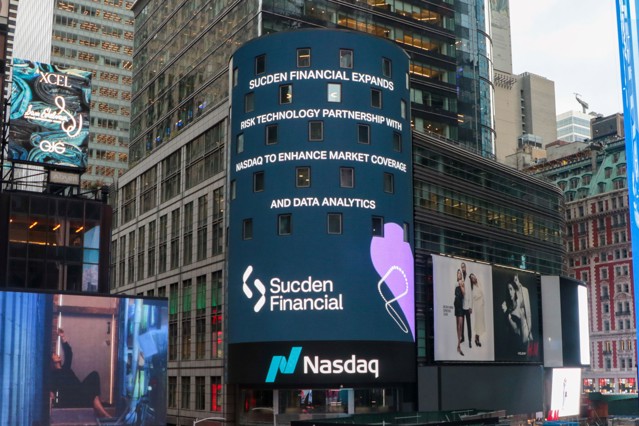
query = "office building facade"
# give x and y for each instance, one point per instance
(599, 253)
(93, 36)
(172, 208)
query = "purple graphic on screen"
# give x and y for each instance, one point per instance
(393, 261)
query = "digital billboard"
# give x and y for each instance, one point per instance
(70, 358)
(628, 34)
(49, 115)
(565, 392)
(484, 312)
(321, 279)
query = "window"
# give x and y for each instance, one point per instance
(249, 102)
(202, 228)
(406, 232)
(233, 190)
(376, 98)
(174, 255)
(258, 181)
(271, 134)
(378, 226)
(286, 94)
(315, 130)
(389, 183)
(260, 64)
(386, 67)
(239, 144)
(200, 388)
(397, 142)
(172, 397)
(403, 108)
(247, 229)
(186, 319)
(363, 134)
(346, 177)
(217, 301)
(302, 177)
(187, 240)
(284, 224)
(186, 392)
(200, 319)
(235, 76)
(345, 58)
(334, 91)
(304, 57)
(216, 394)
(334, 223)
(217, 228)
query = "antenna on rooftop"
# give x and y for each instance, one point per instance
(584, 104)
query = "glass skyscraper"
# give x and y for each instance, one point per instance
(182, 48)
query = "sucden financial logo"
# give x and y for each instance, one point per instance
(317, 366)
(284, 295)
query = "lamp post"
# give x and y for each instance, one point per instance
(214, 419)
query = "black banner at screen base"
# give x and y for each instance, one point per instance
(324, 363)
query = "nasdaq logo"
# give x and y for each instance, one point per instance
(283, 365)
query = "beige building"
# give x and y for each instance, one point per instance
(524, 105)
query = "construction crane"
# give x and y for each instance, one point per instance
(584, 104)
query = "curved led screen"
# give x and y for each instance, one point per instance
(321, 282)
(49, 114)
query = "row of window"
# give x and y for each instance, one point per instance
(316, 134)
(346, 58)
(303, 180)
(334, 226)
(601, 206)
(333, 95)
(183, 400)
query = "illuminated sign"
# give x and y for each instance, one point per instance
(324, 261)
(485, 313)
(49, 114)
(98, 355)
(628, 29)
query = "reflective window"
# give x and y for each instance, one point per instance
(240, 143)
(286, 94)
(247, 229)
(334, 92)
(249, 102)
(334, 223)
(304, 57)
(386, 67)
(378, 226)
(363, 134)
(346, 177)
(315, 130)
(260, 64)
(345, 58)
(284, 224)
(376, 98)
(271, 134)
(258, 181)
(303, 177)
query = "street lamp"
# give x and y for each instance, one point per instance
(214, 419)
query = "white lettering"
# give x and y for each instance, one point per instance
(352, 365)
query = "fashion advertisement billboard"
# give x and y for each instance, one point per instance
(49, 115)
(484, 313)
(321, 261)
(71, 358)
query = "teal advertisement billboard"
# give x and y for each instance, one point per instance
(49, 115)
(321, 280)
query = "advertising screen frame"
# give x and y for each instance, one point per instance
(49, 115)
(496, 316)
(67, 350)
(321, 266)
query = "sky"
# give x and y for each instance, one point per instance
(573, 43)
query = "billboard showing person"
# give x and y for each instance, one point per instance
(463, 328)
